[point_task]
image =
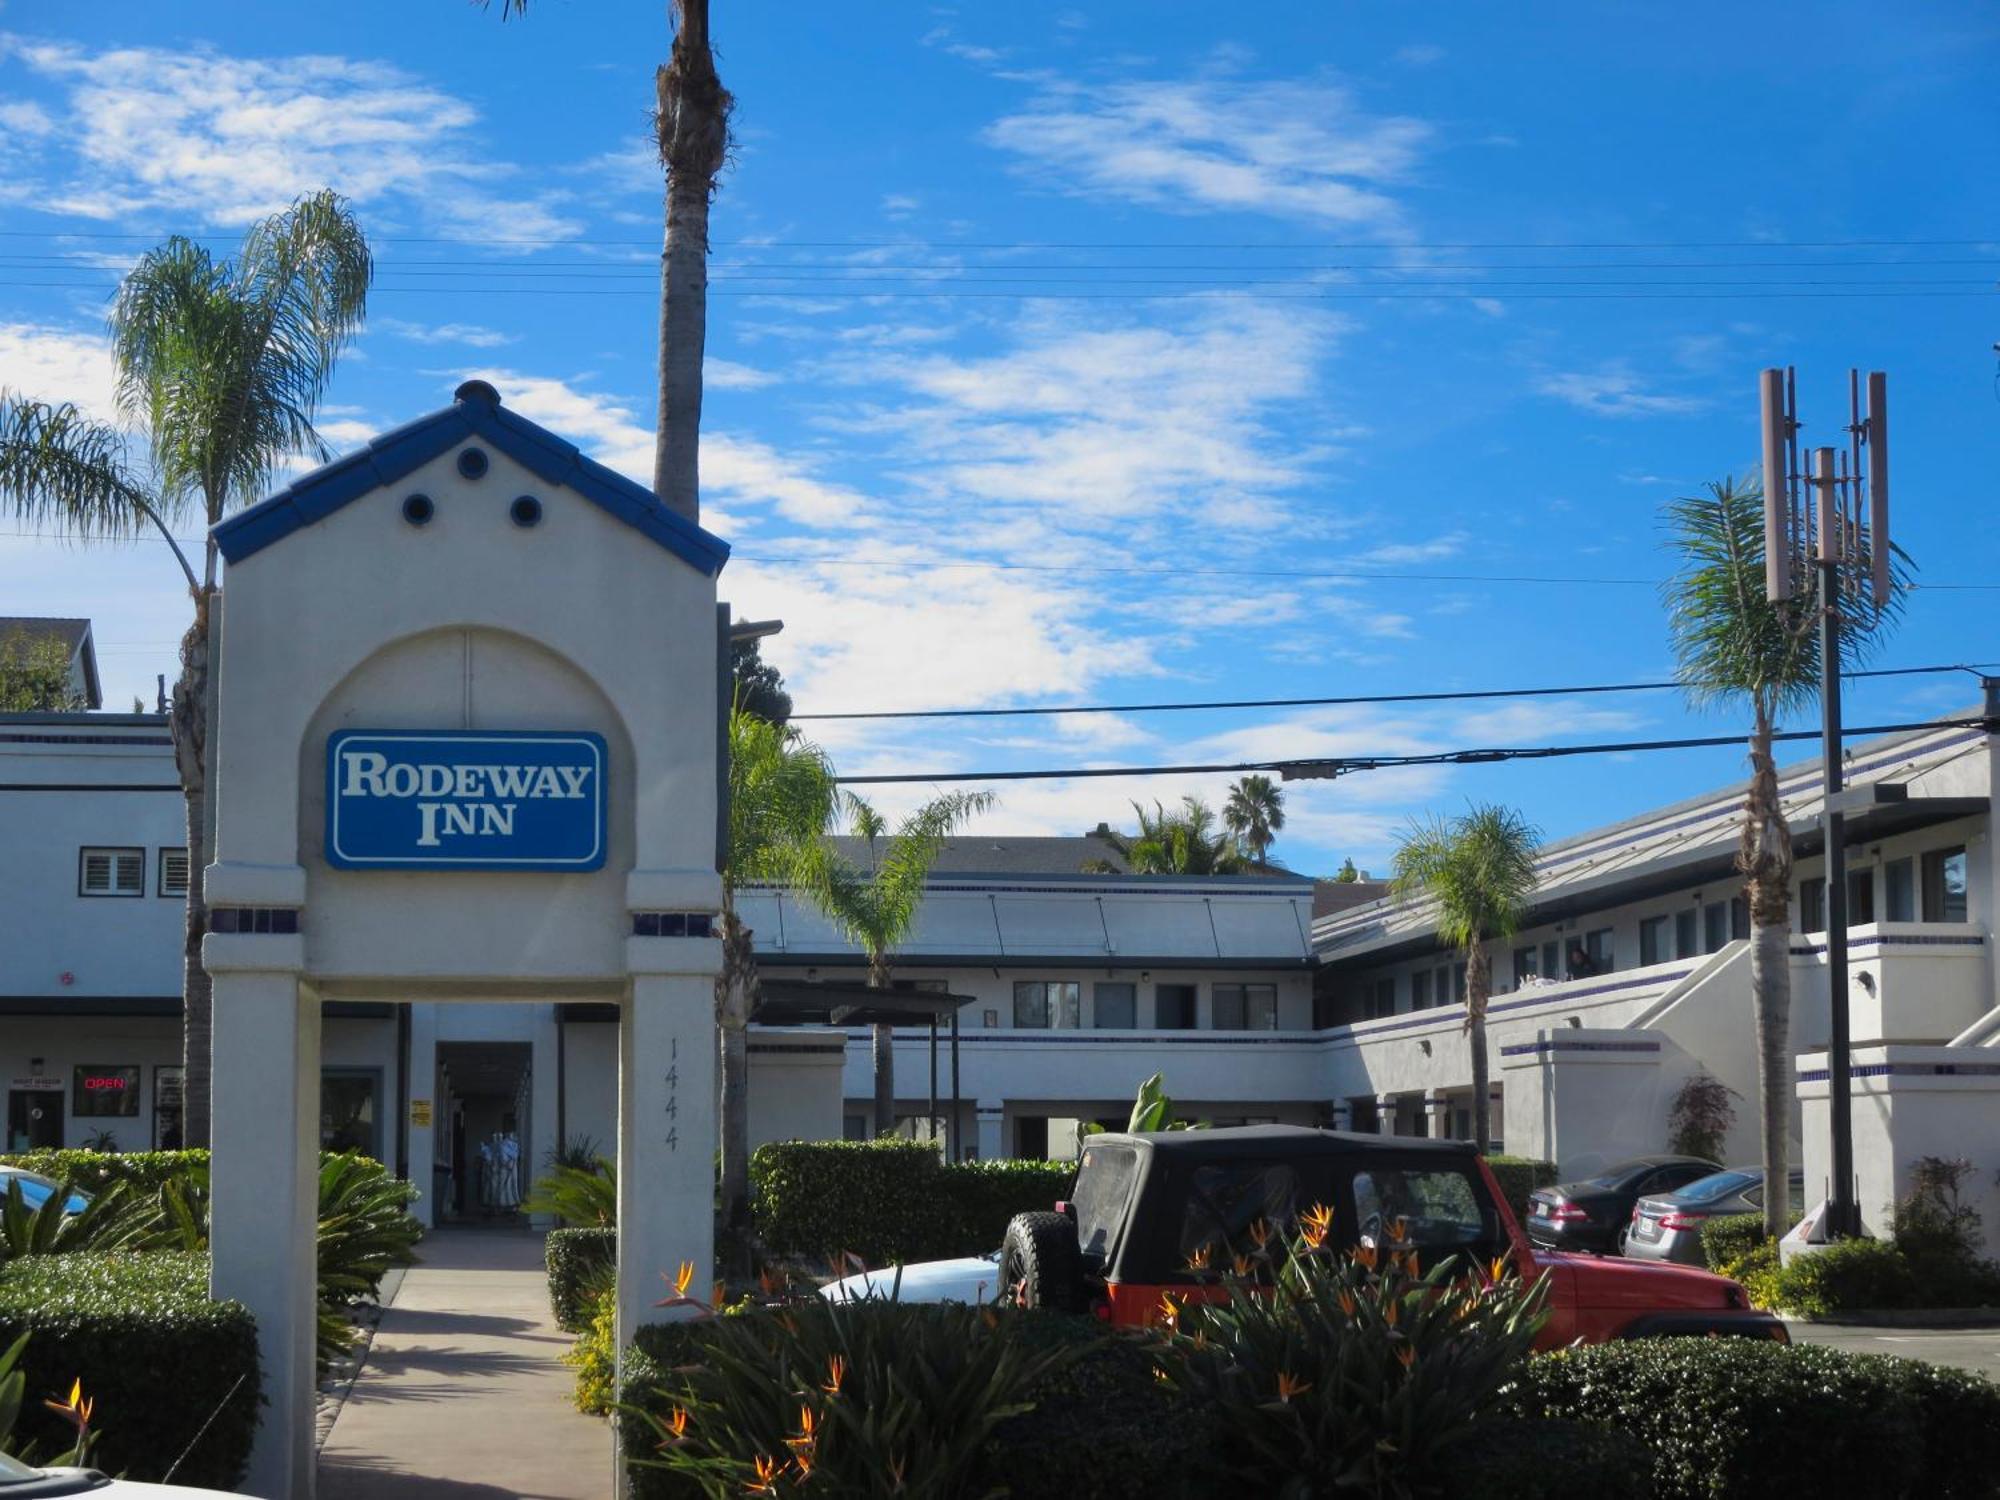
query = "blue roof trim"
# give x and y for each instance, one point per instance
(476, 413)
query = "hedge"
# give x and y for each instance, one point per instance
(1518, 1460)
(91, 1170)
(1728, 1417)
(1519, 1176)
(576, 1258)
(1844, 1277)
(891, 1200)
(154, 1352)
(1727, 1238)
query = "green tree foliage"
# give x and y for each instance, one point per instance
(1477, 870)
(760, 687)
(34, 675)
(1183, 842)
(1254, 813)
(1348, 875)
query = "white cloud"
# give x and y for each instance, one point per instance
(1292, 150)
(728, 375)
(58, 364)
(1434, 550)
(1613, 390)
(471, 334)
(24, 118)
(229, 139)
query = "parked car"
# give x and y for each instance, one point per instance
(1593, 1215)
(18, 1479)
(37, 1189)
(973, 1279)
(1669, 1227)
(1144, 1206)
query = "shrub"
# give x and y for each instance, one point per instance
(863, 1396)
(95, 1170)
(1698, 1121)
(1336, 1370)
(154, 1352)
(577, 1260)
(1103, 1425)
(1728, 1417)
(594, 1357)
(1517, 1460)
(1727, 1238)
(891, 1199)
(1519, 1176)
(582, 1195)
(1845, 1277)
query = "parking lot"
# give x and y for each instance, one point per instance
(1975, 1349)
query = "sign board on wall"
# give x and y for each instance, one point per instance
(420, 1112)
(399, 799)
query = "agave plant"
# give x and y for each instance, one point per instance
(112, 1220)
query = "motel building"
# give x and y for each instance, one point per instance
(1071, 988)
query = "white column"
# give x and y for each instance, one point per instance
(264, 1196)
(1437, 1114)
(992, 1116)
(666, 1141)
(424, 1109)
(1385, 1114)
(1341, 1114)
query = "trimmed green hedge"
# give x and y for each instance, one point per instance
(157, 1356)
(577, 1257)
(1519, 1176)
(1517, 1460)
(891, 1200)
(1844, 1277)
(1728, 1238)
(91, 1170)
(1729, 1417)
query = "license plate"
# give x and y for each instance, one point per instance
(1647, 1229)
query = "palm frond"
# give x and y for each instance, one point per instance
(782, 800)
(1478, 870)
(877, 908)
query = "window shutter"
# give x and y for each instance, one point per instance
(131, 872)
(96, 872)
(173, 872)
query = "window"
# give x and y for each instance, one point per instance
(1173, 1006)
(1420, 990)
(1599, 948)
(1899, 889)
(1739, 918)
(105, 1093)
(1552, 959)
(1860, 897)
(347, 1112)
(854, 1127)
(1812, 906)
(167, 1116)
(1226, 1199)
(1043, 1003)
(1385, 997)
(1653, 941)
(1715, 927)
(1524, 965)
(1457, 981)
(172, 879)
(1439, 1210)
(111, 872)
(1115, 1006)
(1248, 1007)
(1944, 885)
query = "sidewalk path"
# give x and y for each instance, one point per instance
(461, 1396)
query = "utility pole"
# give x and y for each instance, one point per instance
(1826, 534)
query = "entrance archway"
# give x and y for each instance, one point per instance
(464, 748)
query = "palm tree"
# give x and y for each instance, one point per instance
(1478, 871)
(877, 907)
(782, 798)
(691, 129)
(1254, 813)
(1183, 842)
(222, 364)
(1731, 646)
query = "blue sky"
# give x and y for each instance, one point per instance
(1435, 295)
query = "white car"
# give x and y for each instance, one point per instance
(37, 1190)
(974, 1279)
(16, 1478)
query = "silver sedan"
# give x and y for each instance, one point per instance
(1668, 1225)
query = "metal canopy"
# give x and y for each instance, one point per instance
(794, 1002)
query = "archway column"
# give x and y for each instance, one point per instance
(264, 1181)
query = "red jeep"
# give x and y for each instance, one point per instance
(1146, 1206)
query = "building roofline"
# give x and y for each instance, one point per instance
(81, 718)
(475, 412)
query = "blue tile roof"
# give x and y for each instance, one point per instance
(474, 413)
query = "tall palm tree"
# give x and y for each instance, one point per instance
(877, 907)
(221, 365)
(1254, 813)
(1478, 871)
(691, 130)
(782, 800)
(1182, 842)
(1732, 647)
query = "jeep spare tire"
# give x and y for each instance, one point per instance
(1041, 1264)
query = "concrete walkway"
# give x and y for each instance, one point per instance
(461, 1396)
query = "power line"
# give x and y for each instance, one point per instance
(1347, 701)
(1328, 767)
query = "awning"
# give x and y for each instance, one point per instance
(794, 1002)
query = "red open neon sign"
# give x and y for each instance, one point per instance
(99, 1082)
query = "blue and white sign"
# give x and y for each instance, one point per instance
(412, 799)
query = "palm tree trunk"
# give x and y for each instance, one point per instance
(1478, 988)
(1765, 857)
(882, 1051)
(693, 130)
(734, 989)
(188, 723)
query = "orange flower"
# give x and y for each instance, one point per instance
(766, 1482)
(1408, 1355)
(770, 1282)
(1364, 1255)
(719, 1293)
(1390, 1312)
(803, 1462)
(1199, 1260)
(1260, 1233)
(1170, 1310)
(1399, 1230)
(808, 1429)
(1347, 1302)
(836, 1371)
(1315, 1224)
(1499, 1268)
(1289, 1387)
(896, 1467)
(678, 1423)
(684, 1279)
(1241, 1263)
(77, 1409)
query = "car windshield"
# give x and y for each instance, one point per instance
(13, 1471)
(1615, 1179)
(1717, 1186)
(1103, 1186)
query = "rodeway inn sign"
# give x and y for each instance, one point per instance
(464, 800)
